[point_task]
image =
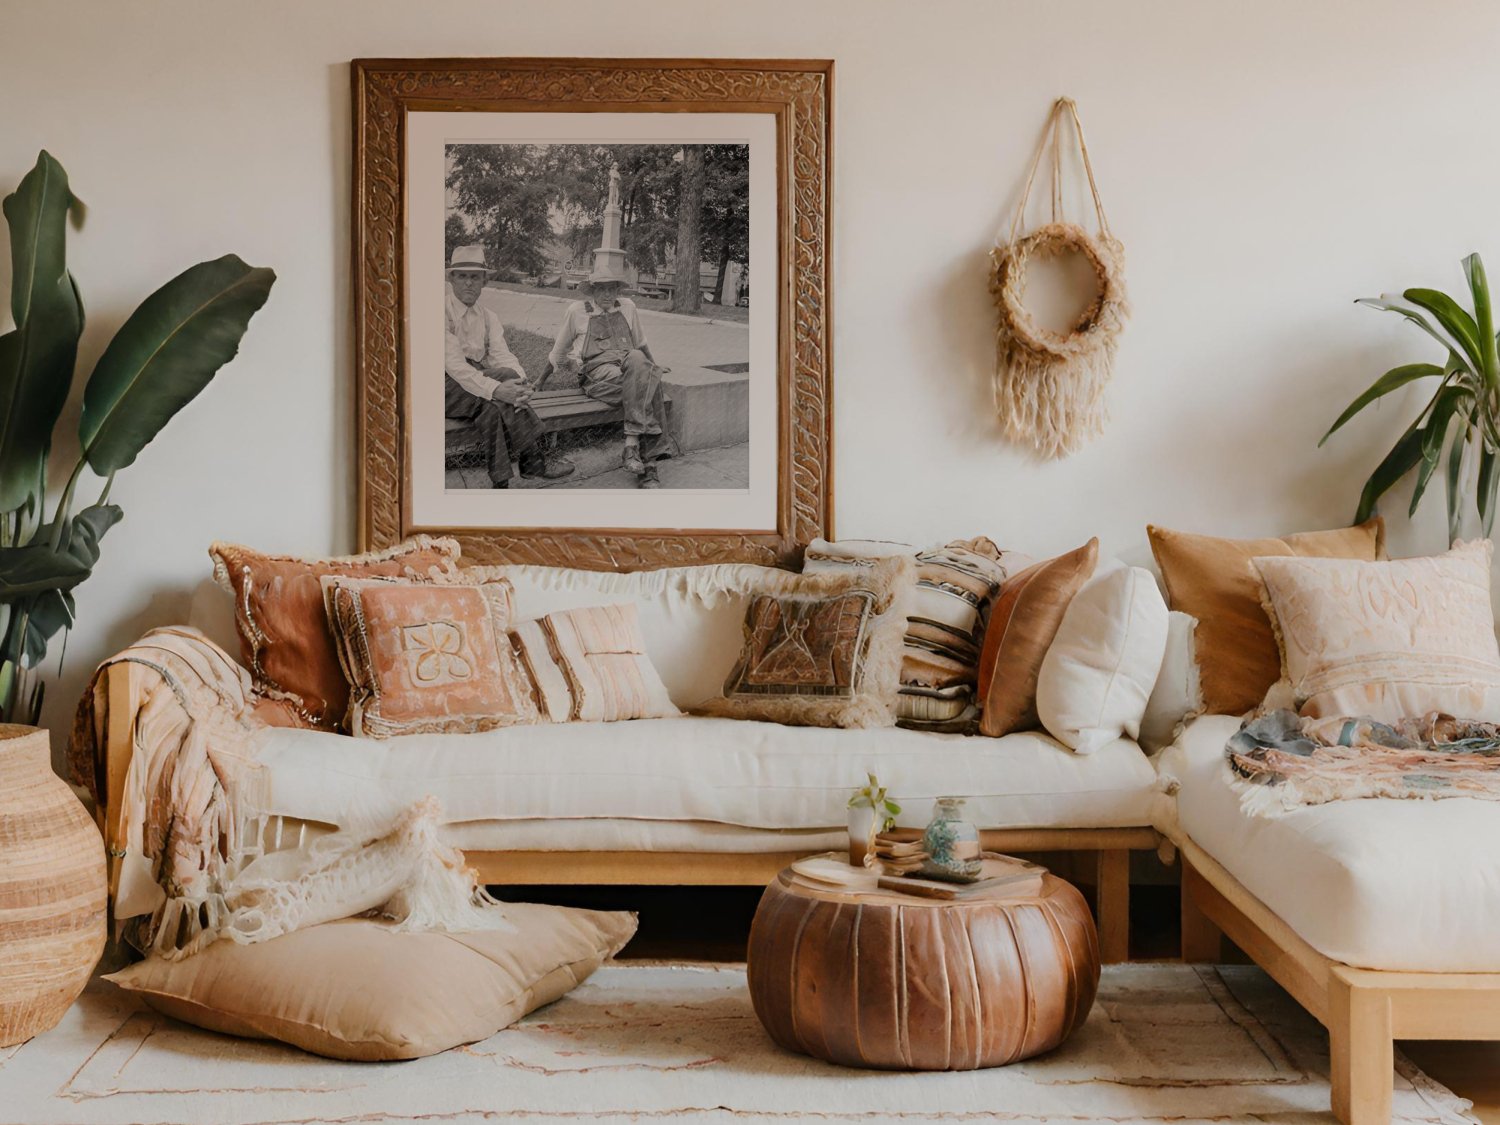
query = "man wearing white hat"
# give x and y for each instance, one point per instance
(601, 341)
(484, 384)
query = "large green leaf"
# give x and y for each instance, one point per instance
(1454, 319)
(164, 355)
(1454, 480)
(37, 357)
(1393, 379)
(1402, 458)
(1396, 303)
(1484, 317)
(1488, 480)
(1448, 402)
(35, 568)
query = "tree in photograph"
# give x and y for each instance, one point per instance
(686, 294)
(726, 209)
(502, 192)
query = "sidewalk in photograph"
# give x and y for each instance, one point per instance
(710, 406)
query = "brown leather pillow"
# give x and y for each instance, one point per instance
(1023, 622)
(1214, 580)
(285, 640)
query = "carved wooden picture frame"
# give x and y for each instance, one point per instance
(389, 97)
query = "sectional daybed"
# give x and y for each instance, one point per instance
(1380, 916)
(689, 800)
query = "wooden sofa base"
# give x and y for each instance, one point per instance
(1364, 1010)
(1112, 848)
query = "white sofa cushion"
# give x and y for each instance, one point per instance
(1379, 884)
(731, 771)
(1101, 665)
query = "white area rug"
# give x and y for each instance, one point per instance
(645, 1042)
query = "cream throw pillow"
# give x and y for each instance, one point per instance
(356, 990)
(1098, 673)
(590, 665)
(1390, 640)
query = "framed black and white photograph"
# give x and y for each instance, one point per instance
(597, 319)
(602, 307)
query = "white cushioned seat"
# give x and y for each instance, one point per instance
(728, 771)
(1408, 885)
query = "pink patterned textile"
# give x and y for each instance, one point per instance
(1280, 761)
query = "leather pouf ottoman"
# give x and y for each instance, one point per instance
(889, 980)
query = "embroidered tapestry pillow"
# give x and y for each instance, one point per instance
(1388, 640)
(590, 665)
(1213, 580)
(355, 989)
(424, 657)
(284, 634)
(1026, 617)
(823, 649)
(956, 584)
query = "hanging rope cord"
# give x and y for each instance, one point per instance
(1049, 386)
(1052, 137)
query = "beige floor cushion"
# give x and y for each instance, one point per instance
(358, 990)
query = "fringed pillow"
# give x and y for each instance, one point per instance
(1385, 640)
(823, 649)
(424, 657)
(285, 639)
(955, 587)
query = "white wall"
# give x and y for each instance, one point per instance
(1264, 164)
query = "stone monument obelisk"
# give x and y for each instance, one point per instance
(609, 259)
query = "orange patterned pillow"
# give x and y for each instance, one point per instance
(590, 665)
(424, 657)
(284, 634)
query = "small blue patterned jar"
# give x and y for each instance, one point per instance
(951, 843)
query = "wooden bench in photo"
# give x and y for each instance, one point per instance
(559, 411)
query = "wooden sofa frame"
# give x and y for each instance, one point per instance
(1111, 846)
(1364, 1010)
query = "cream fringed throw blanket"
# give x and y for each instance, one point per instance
(1280, 761)
(192, 846)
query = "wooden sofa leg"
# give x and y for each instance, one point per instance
(1112, 886)
(1361, 1052)
(1202, 941)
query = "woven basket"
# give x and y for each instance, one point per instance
(52, 889)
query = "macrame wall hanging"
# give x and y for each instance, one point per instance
(1049, 386)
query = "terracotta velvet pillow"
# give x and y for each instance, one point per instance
(425, 657)
(1025, 619)
(285, 639)
(824, 649)
(1215, 581)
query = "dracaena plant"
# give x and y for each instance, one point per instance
(163, 355)
(1457, 427)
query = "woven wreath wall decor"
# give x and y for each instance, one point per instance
(1049, 386)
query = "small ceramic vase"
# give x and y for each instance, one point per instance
(861, 832)
(951, 843)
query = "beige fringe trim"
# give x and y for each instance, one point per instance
(1049, 387)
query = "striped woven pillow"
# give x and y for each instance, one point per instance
(956, 584)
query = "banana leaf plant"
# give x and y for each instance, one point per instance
(164, 354)
(1457, 428)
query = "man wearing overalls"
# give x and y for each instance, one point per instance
(602, 341)
(484, 384)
